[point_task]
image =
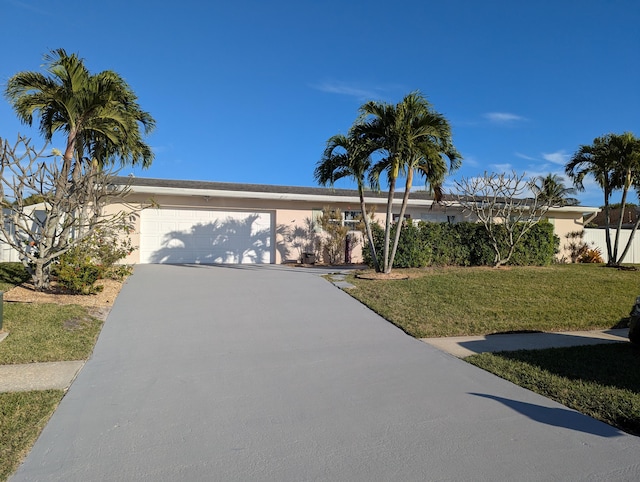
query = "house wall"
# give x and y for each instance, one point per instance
(564, 223)
(289, 215)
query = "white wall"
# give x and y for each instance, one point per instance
(597, 237)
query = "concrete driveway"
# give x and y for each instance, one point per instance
(272, 373)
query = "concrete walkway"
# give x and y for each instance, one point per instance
(266, 373)
(38, 376)
(463, 346)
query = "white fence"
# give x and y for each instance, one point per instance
(597, 237)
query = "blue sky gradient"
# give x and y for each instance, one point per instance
(249, 91)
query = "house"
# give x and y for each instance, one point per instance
(629, 219)
(215, 222)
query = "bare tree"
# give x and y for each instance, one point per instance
(72, 207)
(498, 201)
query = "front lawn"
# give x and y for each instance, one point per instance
(602, 381)
(22, 416)
(476, 301)
(38, 332)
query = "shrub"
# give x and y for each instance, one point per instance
(77, 272)
(94, 258)
(591, 256)
(463, 244)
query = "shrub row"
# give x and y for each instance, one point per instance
(462, 244)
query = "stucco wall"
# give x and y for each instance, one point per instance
(289, 215)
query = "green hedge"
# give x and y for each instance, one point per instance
(462, 244)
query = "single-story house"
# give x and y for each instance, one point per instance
(216, 222)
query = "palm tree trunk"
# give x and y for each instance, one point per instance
(403, 208)
(387, 228)
(623, 203)
(629, 241)
(607, 222)
(367, 228)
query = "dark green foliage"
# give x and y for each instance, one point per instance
(77, 272)
(463, 244)
(12, 274)
(95, 258)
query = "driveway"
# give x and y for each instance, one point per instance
(272, 373)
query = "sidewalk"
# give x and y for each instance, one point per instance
(38, 376)
(463, 346)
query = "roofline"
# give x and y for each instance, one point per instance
(290, 193)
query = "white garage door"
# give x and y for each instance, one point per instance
(199, 236)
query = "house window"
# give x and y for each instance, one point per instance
(396, 216)
(351, 219)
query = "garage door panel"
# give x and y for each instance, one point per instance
(197, 236)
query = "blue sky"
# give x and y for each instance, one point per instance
(249, 91)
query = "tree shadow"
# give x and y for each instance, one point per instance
(557, 417)
(605, 364)
(229, 241)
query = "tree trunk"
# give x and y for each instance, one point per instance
(403, 208)
(607, 223)
(623, 203)
(629, 241)
(367, 228)
(387, 228)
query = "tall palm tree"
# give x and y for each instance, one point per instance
(98, 113)
(552, 191)
(613, 160)
(348, 156)
(103, 124)
(411, 137)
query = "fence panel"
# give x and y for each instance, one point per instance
(597, 237)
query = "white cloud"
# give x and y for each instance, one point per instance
(558, 157)
(344, 88)
(525, 157)
(503, 117)
(499, 168)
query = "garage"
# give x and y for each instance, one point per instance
(175, 236)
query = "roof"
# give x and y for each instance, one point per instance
(260, 191)
(293, 193)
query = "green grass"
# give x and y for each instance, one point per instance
(22, 416)
(47, 332)
(473, 301)
(37, 333)
(602, 381)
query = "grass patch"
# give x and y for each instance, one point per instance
(476, 301)
(601, 381)
(47, 332)
(22, 415)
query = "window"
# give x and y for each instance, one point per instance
(351, 219)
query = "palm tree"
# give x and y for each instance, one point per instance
(98, 113)
(411, 137)
(348, 156)
(552, 191)
(103, 124)
(614, 162)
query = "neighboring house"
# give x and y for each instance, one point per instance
(629, 219)
(214, 222)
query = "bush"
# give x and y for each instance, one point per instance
(77, 272)
(591, 256)
(94, 258)
(462, 244)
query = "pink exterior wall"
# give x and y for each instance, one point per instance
(291, 214)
